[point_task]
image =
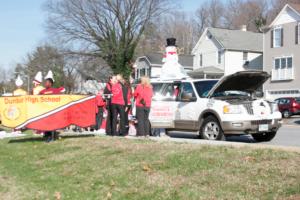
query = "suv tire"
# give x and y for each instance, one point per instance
(211, 129)
(264, 137)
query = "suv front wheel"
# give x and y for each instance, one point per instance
(211, 129)
(264, 137)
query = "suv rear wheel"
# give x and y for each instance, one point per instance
(264, 137)
(211, 129)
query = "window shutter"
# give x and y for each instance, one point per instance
(282, 37)
(272, 38)
(297, 34)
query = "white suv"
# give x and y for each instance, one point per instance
(216, 108)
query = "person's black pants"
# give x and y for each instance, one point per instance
(108, 128)
(128, 108)
(99, 118)
(50, 136)
(142, 115)
(118, 110)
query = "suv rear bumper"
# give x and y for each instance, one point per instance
(249, 127)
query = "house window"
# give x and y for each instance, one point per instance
(283, 69)
(297, 33)
(201, 60)
(289, 62)
(280, 92)
(219, 57)
(278, 37)
(277, 63)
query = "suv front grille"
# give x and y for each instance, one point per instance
(258, 122)
(249, 108)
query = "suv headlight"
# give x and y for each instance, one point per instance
(232, 109)
(274, 107)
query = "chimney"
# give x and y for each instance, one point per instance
(243, 28)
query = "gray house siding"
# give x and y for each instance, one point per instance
(290, 48)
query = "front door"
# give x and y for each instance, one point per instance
(186, 116)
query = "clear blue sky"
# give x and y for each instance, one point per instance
(22, 27)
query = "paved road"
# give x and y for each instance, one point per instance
(288, 135)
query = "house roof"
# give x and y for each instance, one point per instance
(292, 6)
(156, 59)
(238, 39)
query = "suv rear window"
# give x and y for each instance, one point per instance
(203, 87)
(297, 99)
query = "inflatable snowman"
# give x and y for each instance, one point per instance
(171, 68)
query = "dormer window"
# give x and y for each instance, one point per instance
(277, 37)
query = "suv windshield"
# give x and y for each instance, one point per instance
(203, 87)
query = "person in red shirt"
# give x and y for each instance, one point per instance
(143, 98)
(118, 104)
(49, 88)
(51, 135)
(127, 95)
(108, 93)
(100, 103)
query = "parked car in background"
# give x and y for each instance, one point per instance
(289, 106)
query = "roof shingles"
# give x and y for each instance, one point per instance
(238, 39)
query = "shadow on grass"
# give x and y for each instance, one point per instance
(41, 139)
(230, 138)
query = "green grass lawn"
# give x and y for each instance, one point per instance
(114, 168)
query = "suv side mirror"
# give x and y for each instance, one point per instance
(259, 94)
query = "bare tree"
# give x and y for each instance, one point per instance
(45, 58)
(277, 5)
(6, 80)
(252, 13)
(209, 14)
(110, 29)
(200, 20)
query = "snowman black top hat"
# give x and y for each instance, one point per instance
(171, 42)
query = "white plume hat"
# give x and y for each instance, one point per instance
(38, 77)
(19, 81)
(50, 75)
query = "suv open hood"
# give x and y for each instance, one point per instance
(247, 81)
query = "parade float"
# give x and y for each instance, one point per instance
(171, 68)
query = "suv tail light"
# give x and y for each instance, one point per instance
(294, 104)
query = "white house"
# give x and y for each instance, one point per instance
(282, 53)
(222, 52)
